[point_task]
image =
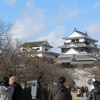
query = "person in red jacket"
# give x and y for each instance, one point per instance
(18, 92)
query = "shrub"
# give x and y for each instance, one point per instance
(42, 93)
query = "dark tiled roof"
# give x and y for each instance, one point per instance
(42, 43)
(65, 46)
(84, 36)
(65, 58)
(82, 62)
(51, 53)
(78, 57)
(77, 45)
(83, 57)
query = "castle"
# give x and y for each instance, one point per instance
(78, 51)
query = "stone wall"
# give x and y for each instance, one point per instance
(79, 75)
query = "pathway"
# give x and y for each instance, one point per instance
(78, 98)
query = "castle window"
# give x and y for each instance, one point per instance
(24, 49)
(46, 49)
(77, 40)
(37, 48)
(73, 40)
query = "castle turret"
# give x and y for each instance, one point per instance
(77, 49)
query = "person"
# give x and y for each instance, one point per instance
(94, 94)
(60, 91)
(73, 89)
(82, 91)
(78, 92)
(86, 91)
(6, 91)
(99, 84)
(18, 92)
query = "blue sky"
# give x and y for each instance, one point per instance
(51, 19)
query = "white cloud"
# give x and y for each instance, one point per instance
(28, 4)
(30, 25)
(64, 13)
(10, 2)
(97, 4)
(55, 37)
(94, 28)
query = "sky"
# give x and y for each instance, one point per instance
(51, 20)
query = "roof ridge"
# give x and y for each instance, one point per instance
(38, 41)
(80, 32)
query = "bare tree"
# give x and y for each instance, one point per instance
(95, 69)
(4, 28)
(9, 55)
(23, 66)
(44, 70)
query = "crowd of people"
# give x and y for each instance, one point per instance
(80, 91)
(10, 89)
(61, 92)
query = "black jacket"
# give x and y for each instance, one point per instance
(18, 92)
(63, 95)
(94, 94)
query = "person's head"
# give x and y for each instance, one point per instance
(5, 80)
(99, 83)
(12, 80)
(61, 80)
(96, 83)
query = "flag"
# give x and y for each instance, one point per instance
(34, 89)
(89, 81)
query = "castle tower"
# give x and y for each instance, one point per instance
(78, 50)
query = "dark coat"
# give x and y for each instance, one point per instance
(18, 92)
(94, 94)
(63, 95)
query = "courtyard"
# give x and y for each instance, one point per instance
(78, 98)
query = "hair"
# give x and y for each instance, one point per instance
(5, 80)
(61, 80)
(96, 83)
(12, 79)
(99, 82)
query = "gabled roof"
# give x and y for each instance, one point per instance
(72, 51)
(81, 36)
(83, 57)
(78, 45)
(40, 43)
(64, 58)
